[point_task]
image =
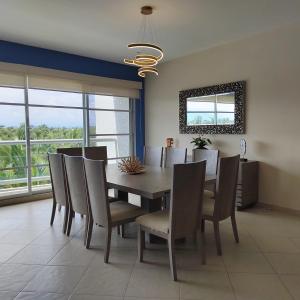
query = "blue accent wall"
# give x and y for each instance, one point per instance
(45, 58)
(39, 57)
(140, 124)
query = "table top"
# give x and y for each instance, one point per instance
(152, 184)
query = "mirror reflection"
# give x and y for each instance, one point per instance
(217, 109)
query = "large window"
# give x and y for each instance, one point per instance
(34, 122)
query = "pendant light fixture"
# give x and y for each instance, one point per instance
(148, 54)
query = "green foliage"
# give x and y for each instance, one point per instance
(201, 142)
(14, 156)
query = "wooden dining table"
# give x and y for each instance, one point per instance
(152, 185)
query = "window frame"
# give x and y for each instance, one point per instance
(86, 140)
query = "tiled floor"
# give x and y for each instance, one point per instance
(39, 262)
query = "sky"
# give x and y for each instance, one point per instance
(52, 117)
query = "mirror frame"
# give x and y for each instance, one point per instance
(238, 87)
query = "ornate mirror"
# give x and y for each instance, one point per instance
(218, 109)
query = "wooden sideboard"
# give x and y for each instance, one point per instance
(247, 187)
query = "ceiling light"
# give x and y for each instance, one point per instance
(148, 54)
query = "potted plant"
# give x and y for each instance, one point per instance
(201, 142)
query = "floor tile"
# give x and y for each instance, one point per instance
(247, 262)
(292, 282)
(258, 287)
(205, 286)
(52, 236)
(41, 296)
(272, 243)
(19, 237)
(285, 263)
(56, 279)
(35, 254)
(109, 280)
(9, 250)
(14, 277)
(91, 297)
(73, 254)
(7, 295)
(153, 283)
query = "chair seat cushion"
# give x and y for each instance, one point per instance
(157, 221)
(122, 211)
(208, 206)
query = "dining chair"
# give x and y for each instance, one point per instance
(71, 151)
(96, 153)
(59, 186)
(211, 156)
(183, 218)
(153, 156)
(222, 206)
(77, 189)
(174, 156)
(101, 211)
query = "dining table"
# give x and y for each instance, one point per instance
(153, 184)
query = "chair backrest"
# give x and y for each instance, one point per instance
(186, 198)
(58, 178)
(76, 183)
(153, 156)
(96, 153)
(211, 156)
(226, 186)
(174, 156)
(75, 151)
(97, 190)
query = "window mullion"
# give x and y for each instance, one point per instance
(27, 137)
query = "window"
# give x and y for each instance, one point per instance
(215, 109)
(109, 124)
(34, 122)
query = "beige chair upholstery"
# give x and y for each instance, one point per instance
(96, 153)
(174, 156)
(185, 210)
(77, 189)
(223, 206)
(157, 221)
(153, 156)
(101, 211)
(59, 186)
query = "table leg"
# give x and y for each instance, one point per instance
(124, 197)
(121, 195)
(152, 205)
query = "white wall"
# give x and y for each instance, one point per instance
(270, 63)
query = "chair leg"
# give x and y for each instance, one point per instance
(234, 228)
(118, 230)
(172, 259)
(123, 231)
(217, 237)
(86, 227)
(107, 247)
(66, 217)
(70, 219)
(89, 232)
(53, 213)
(59, 207)
(202, 225)
(203, 248)
(141, 244)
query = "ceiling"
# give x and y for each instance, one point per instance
(102, 28)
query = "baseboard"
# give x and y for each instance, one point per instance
(25, 199)
(279, 208)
